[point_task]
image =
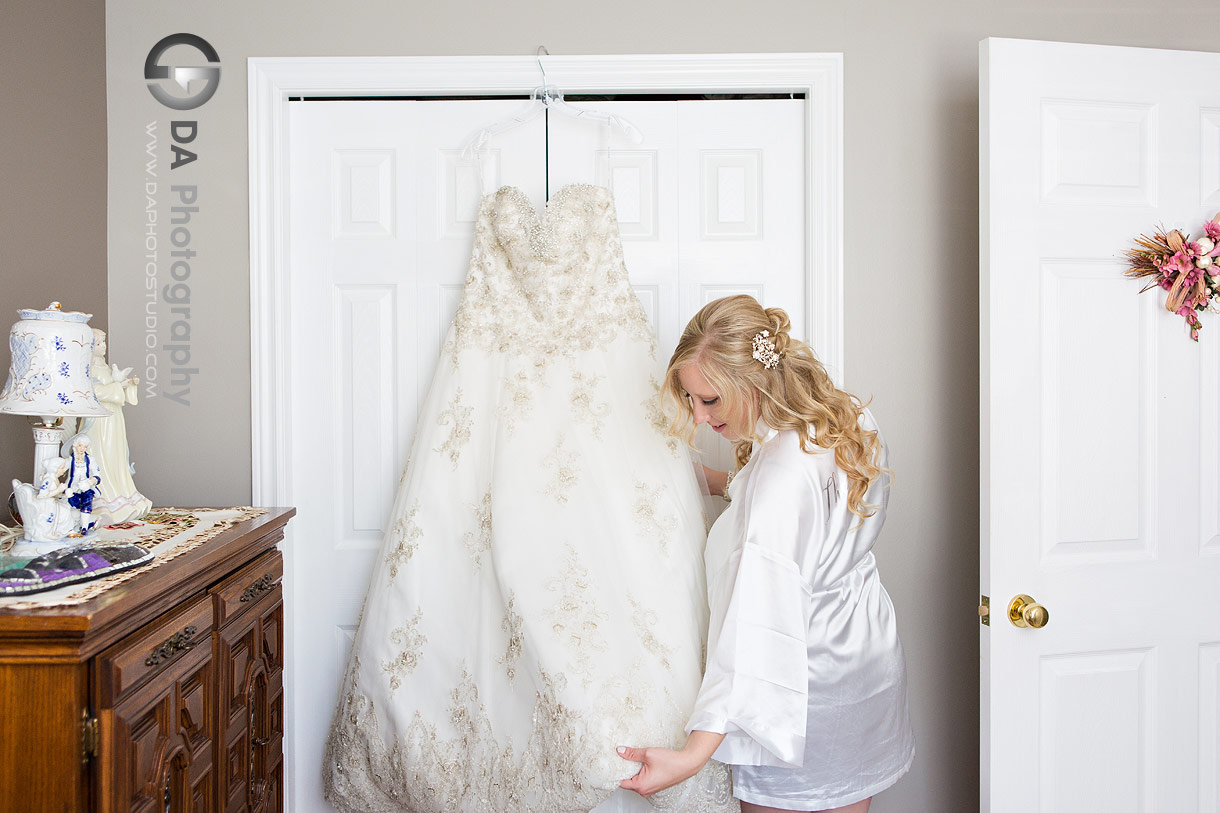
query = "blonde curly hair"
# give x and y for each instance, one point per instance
(796, 394)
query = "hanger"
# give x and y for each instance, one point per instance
(543, 98)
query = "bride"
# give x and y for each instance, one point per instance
(540, 595)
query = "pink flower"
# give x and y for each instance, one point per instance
(1213, 230)
(1179, 263)
(1192, 321)
(1182, 263)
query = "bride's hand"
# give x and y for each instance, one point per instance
(717, 481)
(661, 768)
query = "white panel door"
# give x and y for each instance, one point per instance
(710, 204)
(382, 220)
(1100, 477)
(383, 209)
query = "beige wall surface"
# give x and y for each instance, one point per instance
(911, 130)
(52, 179)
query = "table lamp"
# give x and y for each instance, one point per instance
(49, 380)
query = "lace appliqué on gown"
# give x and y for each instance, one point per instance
(645, 621)
(652, 523)
(412, 642)
(575, 617)
(478, 541)
(564, 471)
(425, 772)
(513, 628)
(589, 406)
(457, 417)
(519, 403)
(656, 417)
(428, 772)
(405, 538)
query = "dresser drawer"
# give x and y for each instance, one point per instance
(152, 649)
(243, 589)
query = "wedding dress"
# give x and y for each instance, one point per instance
(539, 597)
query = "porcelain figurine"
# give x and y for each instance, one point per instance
(83, 480)
(117, 500)
(46, 515)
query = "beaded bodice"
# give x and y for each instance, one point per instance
(549, 283)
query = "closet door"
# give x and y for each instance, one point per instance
(382, 218)
(382, 222)
(711, 203)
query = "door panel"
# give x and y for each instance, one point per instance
(159, 742)
(1098, 433)
(710, 204)
(383, 207)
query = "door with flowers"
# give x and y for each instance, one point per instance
(1100, 428)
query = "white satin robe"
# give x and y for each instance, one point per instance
(805, 673)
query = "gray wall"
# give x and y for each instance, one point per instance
(911, 237)
(52, 179)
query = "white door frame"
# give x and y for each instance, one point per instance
(272, 81)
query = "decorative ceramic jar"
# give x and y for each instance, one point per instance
(51, 353)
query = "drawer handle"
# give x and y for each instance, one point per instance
(178, 642)
(259, 587)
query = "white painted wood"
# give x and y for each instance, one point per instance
(377, 264)
(1209, 726)
(738, 237)
(276, 368)
(739, 160)
(1099, 440)
(644, 179)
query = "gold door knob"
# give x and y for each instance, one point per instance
(1025, 612)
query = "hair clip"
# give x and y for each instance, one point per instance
(764, 350)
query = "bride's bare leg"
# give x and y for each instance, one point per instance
(857, 807)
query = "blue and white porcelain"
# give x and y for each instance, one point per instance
(51, 353)
(50, 377)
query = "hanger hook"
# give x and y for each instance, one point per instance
(542, 51)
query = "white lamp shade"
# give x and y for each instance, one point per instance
(49, 375)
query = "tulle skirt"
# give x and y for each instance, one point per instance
(539, 598)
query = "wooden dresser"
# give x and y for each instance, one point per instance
(163, 693)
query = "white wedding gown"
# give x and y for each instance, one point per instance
(540, 597)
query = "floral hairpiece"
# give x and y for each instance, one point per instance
(1187, 269)
(764, 350)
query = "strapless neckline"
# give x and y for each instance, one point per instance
(576, 214)
(560, 194)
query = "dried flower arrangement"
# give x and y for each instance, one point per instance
(1189, 270)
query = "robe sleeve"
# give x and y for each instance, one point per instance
(755, 687)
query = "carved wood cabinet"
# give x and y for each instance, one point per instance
(163, 693)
